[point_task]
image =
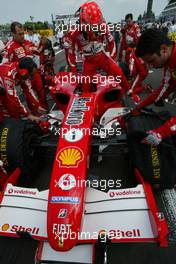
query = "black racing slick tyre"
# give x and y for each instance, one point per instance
(19, 146)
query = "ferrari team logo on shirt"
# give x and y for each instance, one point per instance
(70, 157)
(20, 52)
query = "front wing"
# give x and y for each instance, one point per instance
(124, 215)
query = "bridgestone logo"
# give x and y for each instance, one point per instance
(155, 162)
(3, 146)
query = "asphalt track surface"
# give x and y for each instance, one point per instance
(60, 60)
(22, 251)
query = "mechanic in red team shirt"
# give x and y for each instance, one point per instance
(130, 35)
(89, 38)
(159, 51)
(138, 71)
(18, 48)
(12, 75)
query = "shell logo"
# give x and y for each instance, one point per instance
(70, 157)
(5, 227)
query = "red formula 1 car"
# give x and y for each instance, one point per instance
(96, 193)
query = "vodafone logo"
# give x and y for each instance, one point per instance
(21, 192)
(74, 135)
(66, 182)
(124, 193)
(10, 191)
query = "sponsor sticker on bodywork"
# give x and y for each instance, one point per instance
(65, 199)
(70, 157)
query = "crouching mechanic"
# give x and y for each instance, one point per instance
(138, 71)
(18, 48)
(89, 37)
(157, 50)
(12, 75)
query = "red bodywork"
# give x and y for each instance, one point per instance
(66, 194)
(66, 202)
(68, 179)
(107, 95)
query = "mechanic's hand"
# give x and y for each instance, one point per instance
(67, 68)
(34, 118)
(153, 138)
(135, 98)
(41, 110)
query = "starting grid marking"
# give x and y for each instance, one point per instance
(59, 52)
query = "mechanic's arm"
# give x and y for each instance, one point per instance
(71, 60)
(111, 46)
(141, 67)
(131, 61)
(70, 53)
(140, 72)
(37, 85)
(150, 99)
(18, 106)
(155, 136)
(8, 54)
(137, 35)
(30, 96)
(36, 49)
(14, 100)
(162, 92)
